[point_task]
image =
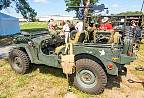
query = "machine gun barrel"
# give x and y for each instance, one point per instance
(82, 7)
(92, 6)
(79, 7)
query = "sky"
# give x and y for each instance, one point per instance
(57, 7)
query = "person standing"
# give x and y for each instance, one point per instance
(51, 26)
(79, 27)
(66, 30)
(105, 24)
(133, 24)
(136, 31)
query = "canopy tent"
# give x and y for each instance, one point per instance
(8, 25)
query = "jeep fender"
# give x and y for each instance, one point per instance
(94, 55)
(32, 53)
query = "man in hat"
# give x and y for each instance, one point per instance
(133, 24)
(105, 24)
(51, 26)
(136, 30)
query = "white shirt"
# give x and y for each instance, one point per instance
(79, 26)
(66, 28)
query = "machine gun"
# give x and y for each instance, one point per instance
(90, 7)
(83, 11)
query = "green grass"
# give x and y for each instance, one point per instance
(43, 80)
(33, 26)
(139, 61)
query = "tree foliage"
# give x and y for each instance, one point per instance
(131, 13)
(22, 6)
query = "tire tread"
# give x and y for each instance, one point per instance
(92, 65)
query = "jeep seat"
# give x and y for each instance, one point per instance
(114, 38)
(79, 37)
(110, 35)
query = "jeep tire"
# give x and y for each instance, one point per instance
(89, 76)
(19, 61)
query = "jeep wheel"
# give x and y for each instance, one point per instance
(19, 61)
(90, 76)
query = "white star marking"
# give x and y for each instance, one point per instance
(102, 52)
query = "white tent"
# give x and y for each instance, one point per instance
(8, 25)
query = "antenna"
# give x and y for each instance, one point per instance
(142, 6)
(142, 13)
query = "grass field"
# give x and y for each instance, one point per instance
(47, 82)
(33, 25)
(44, 82)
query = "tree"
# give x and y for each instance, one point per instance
(22, 6)
(131, 13)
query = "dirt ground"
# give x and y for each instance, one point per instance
(47, 82)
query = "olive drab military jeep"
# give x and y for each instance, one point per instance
(88, 58)
(92, 60)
